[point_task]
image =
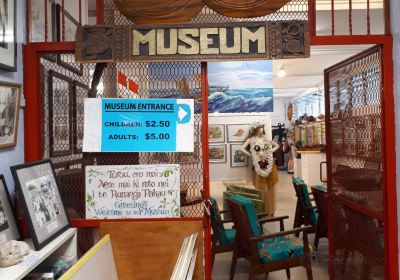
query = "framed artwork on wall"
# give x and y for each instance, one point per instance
(81, 91)
(216, 133)
(217, 153)
(237, 158)
(8, 225)
(36, 185)
(60, 117)
(10, 96)
(70, 25)
(237, 132)
(8, 42)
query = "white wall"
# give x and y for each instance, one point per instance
(15, 155)
(395, 26)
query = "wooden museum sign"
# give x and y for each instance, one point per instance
(201, 42)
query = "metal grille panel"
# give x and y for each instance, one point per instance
(355, 109)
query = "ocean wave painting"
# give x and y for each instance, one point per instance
(240, 87)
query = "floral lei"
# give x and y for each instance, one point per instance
(270, 158)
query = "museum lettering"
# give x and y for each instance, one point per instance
(204, 41)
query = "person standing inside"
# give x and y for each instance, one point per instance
(265, 174)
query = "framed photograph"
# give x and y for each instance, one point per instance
(70, 25)
(237, 158)
(60, 116)
(237, 132)
(8, 225)
(10, 96)
(36, 185)
(8, 43)
(216, 133)
(217, 153)
(68, 62)
(81, 91)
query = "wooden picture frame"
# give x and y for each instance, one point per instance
(8, 224)
(217, 153)
(237, 132)
(10, 98)
(70, 26)
(60, 116)
(74, 67)
(80, 92)
(216, 133)
(8, 42)
(237, 158)
(36, 185)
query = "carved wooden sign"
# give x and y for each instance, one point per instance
(201, 42)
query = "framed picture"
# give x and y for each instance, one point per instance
(39, 32)
(237, 158)
(10, 95)
(60, 117)
(216, 133)
(8, 226)
(81, 91)
(8, 43)
(68, 62)
(217, 153)
(237, 132)
(70, 25)
(194, 157)
(36, 185)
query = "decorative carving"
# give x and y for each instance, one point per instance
(189, 42)
(157, 12)
(245, 8)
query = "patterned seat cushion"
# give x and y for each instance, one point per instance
(251, 213)
(280, 248)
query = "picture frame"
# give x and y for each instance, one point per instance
(8, 42)
(74, 67)
(36, 186)
(188, 157)
(80, 92)
(216, 133)
(8, 224)
(70, 26)
(39, 32)
(217, 153)
(237, 132)
(10, 98)
(60, 116)
(237, 158)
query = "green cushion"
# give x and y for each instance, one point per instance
(230, 235)
(280, 248)
(298, 180)
(250, 211)
(321, 187)
(259, 204)
(245, 190)
(216, 220)
(306, 197)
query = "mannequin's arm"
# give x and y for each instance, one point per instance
(275, 146)
(244, 146)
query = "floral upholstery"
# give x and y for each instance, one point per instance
(225, 236)
(280, 248)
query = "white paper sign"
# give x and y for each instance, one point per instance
(132, 191)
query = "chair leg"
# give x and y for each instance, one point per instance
(233, 264)
(288, 273)
(251, 273)
(316, 239)
(309, 272)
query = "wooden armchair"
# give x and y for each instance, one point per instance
(321, 230)
(269, 252)
(306, 213)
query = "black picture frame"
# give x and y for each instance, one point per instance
(36, 185)
(10, 98)
(8, 50)
(8, 225)
(79, 114)
(74, 67)
(215, 151)
(60, 132)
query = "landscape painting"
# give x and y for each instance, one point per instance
(240, 87)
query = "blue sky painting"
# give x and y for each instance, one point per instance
(240, 87)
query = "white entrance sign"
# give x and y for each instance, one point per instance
(132, 191)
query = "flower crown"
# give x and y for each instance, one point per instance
(256, 124)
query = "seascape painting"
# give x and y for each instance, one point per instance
(240, 87)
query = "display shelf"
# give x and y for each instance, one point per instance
(65, 244)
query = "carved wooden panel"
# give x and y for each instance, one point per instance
(159, 11)
(245, 8)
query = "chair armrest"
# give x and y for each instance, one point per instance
(224, 211)
(282, 233)
(227, 221)
(272, 219)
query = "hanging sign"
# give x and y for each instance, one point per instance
(132, 191)
(213, 41)
(138, 125)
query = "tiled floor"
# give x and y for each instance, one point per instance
(286, 203)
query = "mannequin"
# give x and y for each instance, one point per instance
(265, 174)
